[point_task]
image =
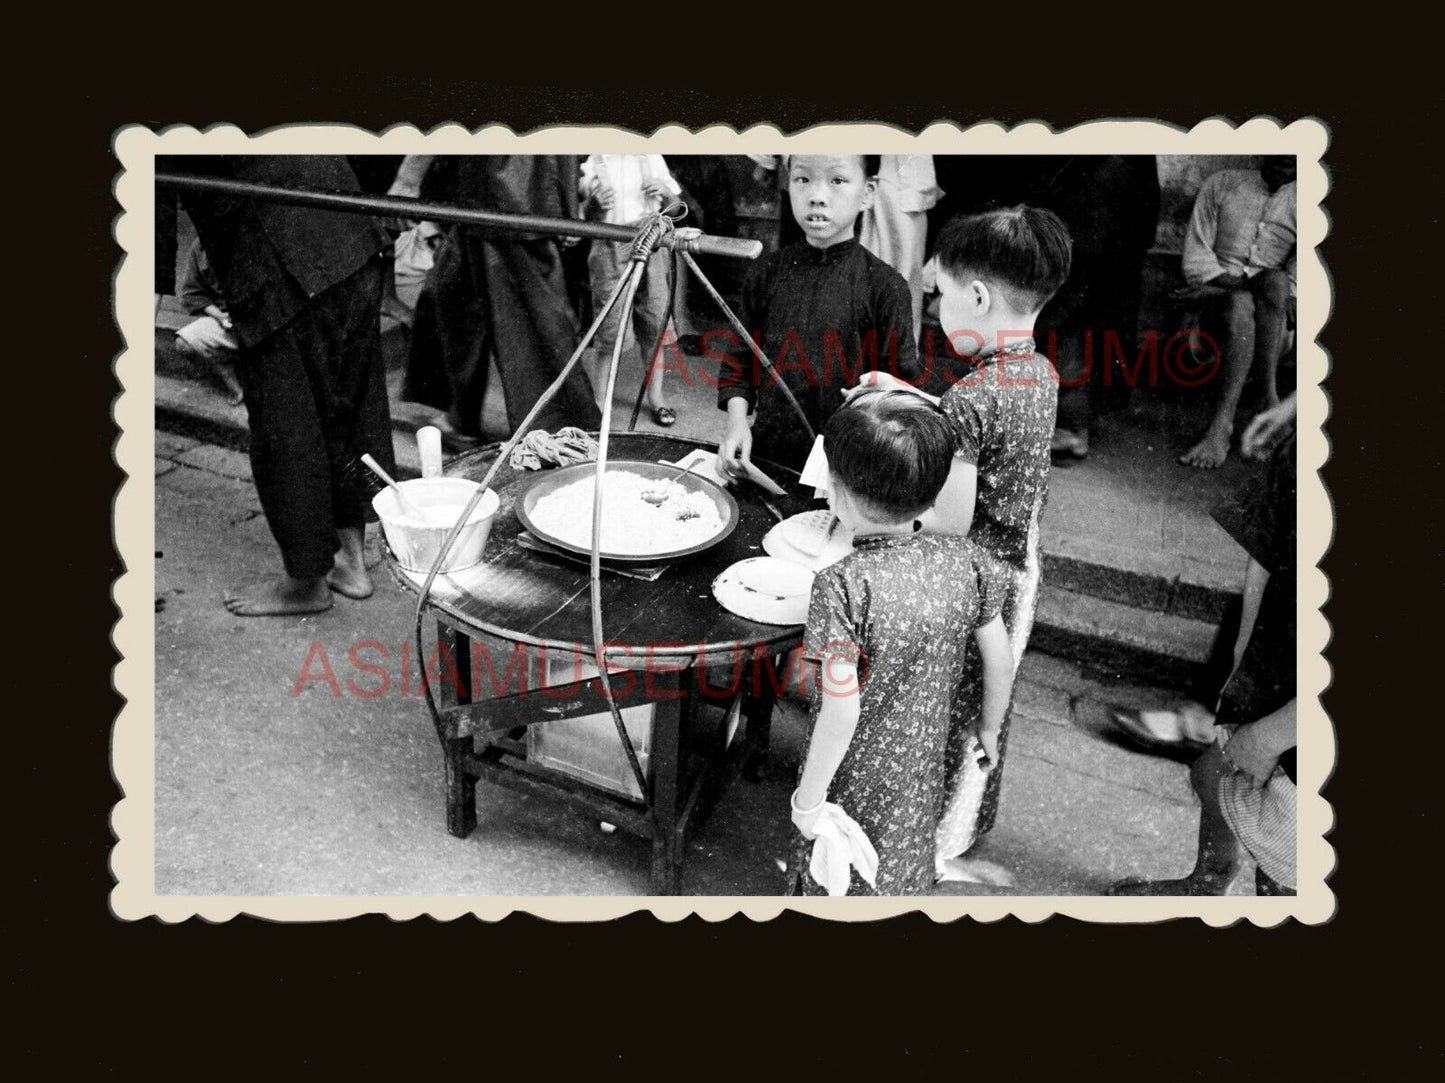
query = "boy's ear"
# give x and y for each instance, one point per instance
(870, 189)
(982, 296)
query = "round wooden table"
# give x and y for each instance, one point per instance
(509, 625)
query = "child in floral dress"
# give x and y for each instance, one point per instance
(996, 271)
(891, 626)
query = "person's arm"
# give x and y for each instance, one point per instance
(1256, 576)
(409, 175)
(998, 678)
(737, 392)
(1268, 428)
(952, 512)
(1201, 265)
(894, 315)
(832, 733)
(661, 178)
(1255, 748)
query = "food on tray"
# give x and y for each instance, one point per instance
(631, 525)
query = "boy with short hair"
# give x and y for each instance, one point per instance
(996, 271)
(893, 625)
(823, 310)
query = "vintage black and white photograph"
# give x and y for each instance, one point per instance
(716, 522)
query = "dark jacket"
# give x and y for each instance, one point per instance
(271, 258)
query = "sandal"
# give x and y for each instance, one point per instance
(664, 415)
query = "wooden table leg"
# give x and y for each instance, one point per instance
(666, 769)
(461, 789)
(758, 701)
(461, 784)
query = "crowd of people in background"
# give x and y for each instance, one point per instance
(1033, 265)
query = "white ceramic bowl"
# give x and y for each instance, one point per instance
(415, 542)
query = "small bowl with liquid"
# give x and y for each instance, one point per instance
(415, 542)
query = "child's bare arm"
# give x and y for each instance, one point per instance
(998, 680)
(833, 733)
(952, 512)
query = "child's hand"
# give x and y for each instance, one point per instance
(653, 189)
(878, 380)
(988, 739)
(600, 201)
(806, 819)
(884, 381)
(736, 446)
(219, 314)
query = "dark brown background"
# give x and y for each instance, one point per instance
(653, 999)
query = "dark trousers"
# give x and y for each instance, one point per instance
(508, 299)
(316, 398)
(1087, 351)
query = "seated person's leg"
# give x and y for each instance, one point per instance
(1217, 860)
(1271, 311)
(1236, 354)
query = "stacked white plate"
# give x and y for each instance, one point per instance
(810, 539)
(766, 590)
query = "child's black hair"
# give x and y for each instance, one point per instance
(872, 163)
(892, 450)
(1026, 250)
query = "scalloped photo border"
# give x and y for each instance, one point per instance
(132, 858)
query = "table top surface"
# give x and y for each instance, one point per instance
(522, 596)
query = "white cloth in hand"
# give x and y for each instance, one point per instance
(839, 844)
(207, 337)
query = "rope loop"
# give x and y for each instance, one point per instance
(654, 227)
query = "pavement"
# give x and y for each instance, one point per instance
(270, 785)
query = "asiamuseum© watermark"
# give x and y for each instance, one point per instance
(1188, 357)
(371, 669)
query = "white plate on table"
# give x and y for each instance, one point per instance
(765, 589)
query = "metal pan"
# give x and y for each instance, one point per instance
(549, 481)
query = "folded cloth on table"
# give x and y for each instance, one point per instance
(565, 447)
(839, 844)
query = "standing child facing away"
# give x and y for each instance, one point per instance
(623, 189)
(996, 271)
(893, 625)
(824, 310)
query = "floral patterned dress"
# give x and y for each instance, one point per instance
(1003, 419)
(903, 608)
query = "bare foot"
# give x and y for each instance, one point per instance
(279, 597)
(973, 870)
(1068, 443)
(348, 576)
(1210, 452)
(1189, 885)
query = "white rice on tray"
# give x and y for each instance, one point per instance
(630, 525)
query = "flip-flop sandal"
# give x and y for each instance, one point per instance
(664, 415)
(1128, 723)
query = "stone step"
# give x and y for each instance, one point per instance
(1121, 640)
(1168, 583)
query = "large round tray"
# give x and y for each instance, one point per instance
(549, 481)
